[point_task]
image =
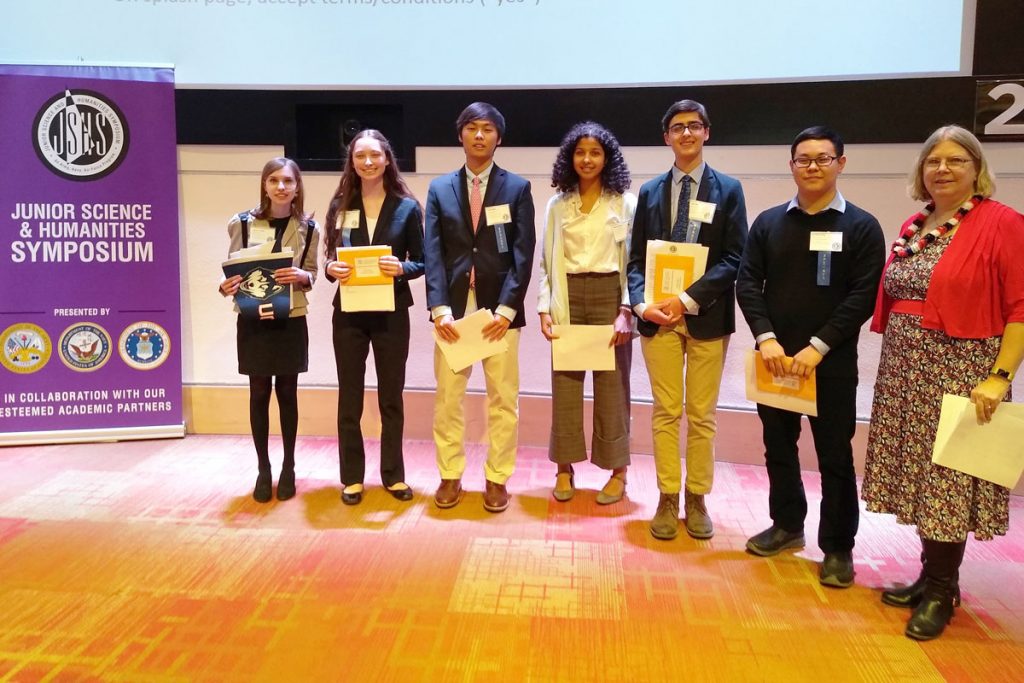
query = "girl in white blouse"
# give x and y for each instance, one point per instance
(583, 282)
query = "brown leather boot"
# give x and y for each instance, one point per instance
(665, 524)
(698, 521)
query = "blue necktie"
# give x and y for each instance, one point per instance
(682, 212)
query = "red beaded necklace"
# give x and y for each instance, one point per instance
(906, 245)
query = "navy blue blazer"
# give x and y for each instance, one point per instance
(451, 248)
(724, 237)
(400, 224)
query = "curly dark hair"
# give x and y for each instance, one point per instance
(348, 193)
(614, 175)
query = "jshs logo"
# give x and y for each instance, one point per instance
(80, 135)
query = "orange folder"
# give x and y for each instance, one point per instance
(786, 393)
(363, 261)
(673, 273)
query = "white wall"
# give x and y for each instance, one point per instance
(218, 181)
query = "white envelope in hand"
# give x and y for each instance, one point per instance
(471, 345)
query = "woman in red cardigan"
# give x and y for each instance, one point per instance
(951, 308)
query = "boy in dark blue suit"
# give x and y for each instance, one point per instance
(478, 247)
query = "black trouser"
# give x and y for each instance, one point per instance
(354, 334)
(833, 431)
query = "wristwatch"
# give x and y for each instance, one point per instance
(999, 372)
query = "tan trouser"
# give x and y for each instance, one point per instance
(675, 361)
(501, 374)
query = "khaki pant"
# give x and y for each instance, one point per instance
(501, 374)
(676, 361)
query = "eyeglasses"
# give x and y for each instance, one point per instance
(694, 127)
(952, 163)
(821, 161)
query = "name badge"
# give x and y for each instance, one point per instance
(826, 241)
(702, 211)
(350, 220)
(260, 235)
(498, 214)
(619, 231)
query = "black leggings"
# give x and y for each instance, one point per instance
(286, 387)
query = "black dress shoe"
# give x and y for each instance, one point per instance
(403, 495)
(774, 540)
(837, 570)
(354, 498)
(264, 488)
(286, 485)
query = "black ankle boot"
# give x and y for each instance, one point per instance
(910, 596)
(907, 596)
(935, 610)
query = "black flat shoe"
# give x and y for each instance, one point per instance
(264, 488)
(286, 485)
(404, 495)
(353, 498)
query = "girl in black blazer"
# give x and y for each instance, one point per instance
(373, 206)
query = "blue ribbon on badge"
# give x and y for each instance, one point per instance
(692, 231)
(824, 268)
(499, 234)
(346, 237)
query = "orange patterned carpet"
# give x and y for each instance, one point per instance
(149, 561)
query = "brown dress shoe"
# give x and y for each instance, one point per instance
(449, 493)
(698, 521)
(495, 497)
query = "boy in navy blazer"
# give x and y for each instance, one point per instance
(479, 239)
(690, 203)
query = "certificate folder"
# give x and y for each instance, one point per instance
(364, 264)
(368, 289)
(672, 267)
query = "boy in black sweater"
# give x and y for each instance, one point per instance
(806, 284)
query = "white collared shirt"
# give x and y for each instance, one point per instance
(587, 242)
(484, 176)
(838, 203)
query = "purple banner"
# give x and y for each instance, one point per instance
(90, 315)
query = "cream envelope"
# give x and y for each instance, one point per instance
(991, 452)
(471, 345)
(582, 347)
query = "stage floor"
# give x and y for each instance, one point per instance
(149, 561)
